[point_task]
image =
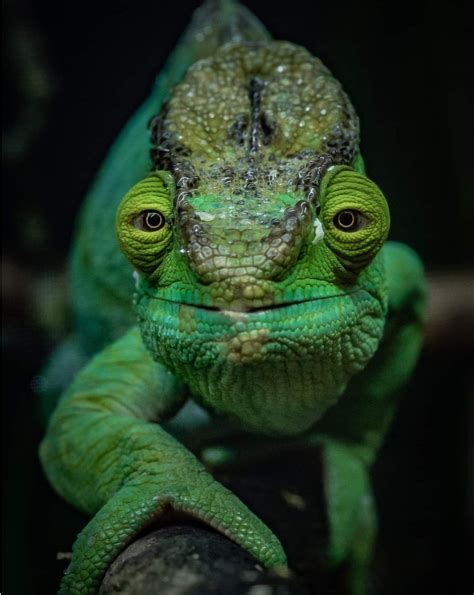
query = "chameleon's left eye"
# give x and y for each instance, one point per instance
(354, 216)
(149, 220)
(349, 220)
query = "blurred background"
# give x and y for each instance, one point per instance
(75, 72)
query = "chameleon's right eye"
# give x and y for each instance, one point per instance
(149, 220)
(143, 221)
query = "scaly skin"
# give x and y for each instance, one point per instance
(264, 289)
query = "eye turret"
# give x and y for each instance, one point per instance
(142, 222)
(354, 215)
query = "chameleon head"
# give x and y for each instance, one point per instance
(258, 277)
(278, 355)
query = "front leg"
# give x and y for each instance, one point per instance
(103, 455)
(354, 429)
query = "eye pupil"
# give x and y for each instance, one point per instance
(347, 220)
(154, 220)
(149, 221)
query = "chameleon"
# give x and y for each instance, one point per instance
(230, 269)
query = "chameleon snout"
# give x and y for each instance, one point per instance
(241, 261)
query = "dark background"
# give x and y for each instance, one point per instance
(74, 73)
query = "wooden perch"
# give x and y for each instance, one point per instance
(450, 315)
(187, 560)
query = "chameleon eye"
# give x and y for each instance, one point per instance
(349, 220)
(149, 221)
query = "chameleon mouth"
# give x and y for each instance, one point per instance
(244, 309)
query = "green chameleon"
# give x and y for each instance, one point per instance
(265, 297)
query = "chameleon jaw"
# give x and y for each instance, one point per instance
(268, 369)
(228, 310)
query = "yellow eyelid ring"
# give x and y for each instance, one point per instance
(142, 222)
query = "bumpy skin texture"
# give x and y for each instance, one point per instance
(265, 290)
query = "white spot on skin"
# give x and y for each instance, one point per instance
(318, 231)
(205, 216)
(236, 316)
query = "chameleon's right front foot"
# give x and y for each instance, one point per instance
(103, 455)
(142, 501)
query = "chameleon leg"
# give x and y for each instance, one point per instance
(362, 547)
(353, 430)
(348, 496)
(134, 507)
(103, 455)
(350, 512)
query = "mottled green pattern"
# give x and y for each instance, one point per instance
(301, 101)
(268, 294)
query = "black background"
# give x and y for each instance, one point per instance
(406, 66)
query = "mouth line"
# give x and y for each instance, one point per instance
(256, 309)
